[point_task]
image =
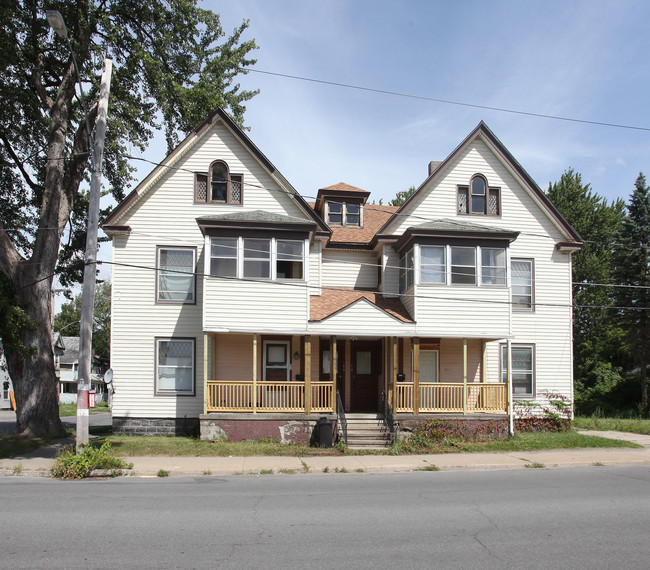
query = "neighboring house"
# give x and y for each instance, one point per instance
(239, 306)
(6, 387)
(66, 362)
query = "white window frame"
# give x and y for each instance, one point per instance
(174, 392)
(421, 265)
(518, 307)
(287, 345)
(504, 267)
(504, 368)
(162, 271)
(452, 265)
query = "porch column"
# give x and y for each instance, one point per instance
(308, 374)
(464, 376)
(206, 348)
(334, 366)
(511, 421)
(416, 376)
(255, 373)
(395, 354)
(483, 361)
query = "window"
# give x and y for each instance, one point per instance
(479, 198)
(432, 264)
(276, 361)
(406, 271)
(463, 265)
(257, 258)
(522, 284)
(218, 186)
(523, 369)
(176, 275)
(493, 266)
(223, 257)
(289, 259)
(344, 213)
(174, 366)
(251, 258)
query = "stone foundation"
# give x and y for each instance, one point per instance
(156, 426)
(285, 428)
(495, 424)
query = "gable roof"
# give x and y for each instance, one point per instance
(112, 220)
(482, 131)
(333, 301)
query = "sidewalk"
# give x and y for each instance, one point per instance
(38, 462)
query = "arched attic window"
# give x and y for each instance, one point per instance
(478, 198)
(218, 186)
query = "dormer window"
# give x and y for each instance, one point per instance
(343, 213)
(478, 198)
(218, 186)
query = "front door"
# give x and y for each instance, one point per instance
(365, 358)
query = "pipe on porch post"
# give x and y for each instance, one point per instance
(206, 347)
(464, 376)
(416, 376)
(511, 418)
(308, 401)
(255, 373)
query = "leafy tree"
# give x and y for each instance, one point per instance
(597, 337)
(402, 196)
(173, 64)
(67, 320)
(633, 268)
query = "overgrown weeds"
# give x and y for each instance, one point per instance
(69, 465)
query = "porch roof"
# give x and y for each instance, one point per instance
(332, 301)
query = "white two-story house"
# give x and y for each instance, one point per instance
(245, 308)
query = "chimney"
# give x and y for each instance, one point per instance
(433, 165)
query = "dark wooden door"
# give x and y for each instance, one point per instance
(364, 373)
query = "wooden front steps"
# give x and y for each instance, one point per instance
(367, 431)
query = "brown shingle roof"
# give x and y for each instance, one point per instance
(374, 217)
(333, 300)
(342, 186)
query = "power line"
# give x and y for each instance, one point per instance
(449, 101)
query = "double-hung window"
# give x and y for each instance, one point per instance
(257, 258)
(344, 213)
(406, 271)
(463, 265)
(433, 264)
(176, 282)
(493, 266)
(522, 284)
(223, 257)
(175, 366)
(523, 369)
(289, 262)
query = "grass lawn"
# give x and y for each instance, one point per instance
(71, 409)
(633, 425)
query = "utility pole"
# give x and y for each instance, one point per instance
(90, 261)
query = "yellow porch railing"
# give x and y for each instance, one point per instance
(237, 396)
(448, 397)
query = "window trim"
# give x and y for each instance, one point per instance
(516, 307)
(173, 393)
(488, 191)
(504, 372)
(451, 266)
(230, 178)
(159, 271)
(344, 213)
(504, 267)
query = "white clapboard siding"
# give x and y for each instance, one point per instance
(356, 269)
(315, 267)
(390, 267)
(254, 306)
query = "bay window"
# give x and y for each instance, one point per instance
(493, 266)
(257, 258)
(433, 264)
(463, 265)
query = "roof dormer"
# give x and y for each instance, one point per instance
(341, 205)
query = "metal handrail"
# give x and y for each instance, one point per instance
(340, 412)
(389, 418)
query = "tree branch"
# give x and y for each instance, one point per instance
(19, 164)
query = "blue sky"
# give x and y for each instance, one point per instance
(585, 60)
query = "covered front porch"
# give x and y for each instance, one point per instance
(298, 375)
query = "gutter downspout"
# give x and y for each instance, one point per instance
(511, 418)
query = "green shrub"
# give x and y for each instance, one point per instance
(68, 465)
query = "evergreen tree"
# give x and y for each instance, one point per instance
(598, 357)
(633, 268)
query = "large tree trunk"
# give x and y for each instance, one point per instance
(34, 378)
(643, 375)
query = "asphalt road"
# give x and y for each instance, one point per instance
(595, 517)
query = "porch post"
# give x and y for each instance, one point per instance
(483, 361)
(394, 373)
(206, 348)
(416, 376)
(334, 365)
(308, 374)
(464, 376)
(255, 373)
(511, 420)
